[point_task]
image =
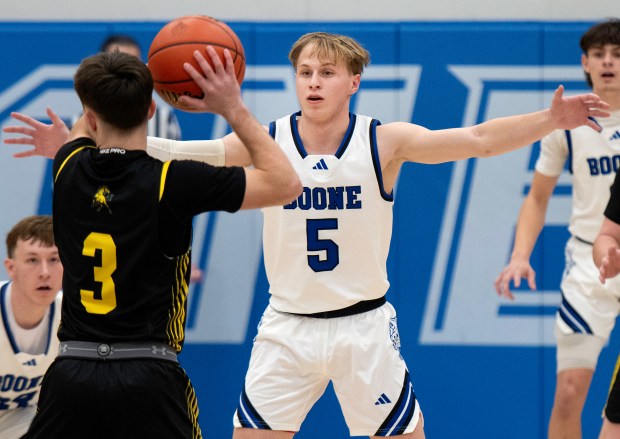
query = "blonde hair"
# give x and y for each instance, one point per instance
(333, 47)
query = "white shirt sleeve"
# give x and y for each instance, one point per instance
(553, 154)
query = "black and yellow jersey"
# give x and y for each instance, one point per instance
(123, 226)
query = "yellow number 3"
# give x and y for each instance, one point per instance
(102, 274)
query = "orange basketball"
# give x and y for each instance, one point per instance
(175, 44)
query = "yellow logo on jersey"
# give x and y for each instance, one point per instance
(102, 198)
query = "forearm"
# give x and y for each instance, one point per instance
(529, 225)
(505, 134)
(207, 151)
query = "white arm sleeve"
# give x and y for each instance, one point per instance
(207, 151)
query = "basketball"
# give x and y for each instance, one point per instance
(175, 44)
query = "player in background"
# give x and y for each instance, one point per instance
(588, 310)
(29, 315)
(123, 229)
(326, 252)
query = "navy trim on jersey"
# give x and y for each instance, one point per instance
(272, 129)
(5, 317)
(347, 136)
(300, 145)
(400, 417)
(248, 416)
(5, 320)
(569, 143)
(572, 318)
(50, 326)
(374, 152)
(296, 138)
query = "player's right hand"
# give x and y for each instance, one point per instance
(514, 272)
(45, 138)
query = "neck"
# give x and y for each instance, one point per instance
(129, 140)
(323, 136)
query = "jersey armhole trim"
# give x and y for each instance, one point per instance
(66, 160)
(162, 182)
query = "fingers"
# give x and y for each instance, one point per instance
(54, 117)
(26, 119)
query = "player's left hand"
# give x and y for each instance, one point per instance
(574, 111)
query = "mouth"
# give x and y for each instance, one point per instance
(314, 98)
(608, 75)
(44, 289)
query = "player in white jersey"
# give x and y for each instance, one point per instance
(326, 251)
(588, 310)
(29, 319)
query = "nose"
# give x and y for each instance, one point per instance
(45, 269)
(314, 80)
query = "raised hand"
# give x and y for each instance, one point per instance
(571, 112)
(45, 138)
(222, 94)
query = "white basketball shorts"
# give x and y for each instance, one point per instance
(588, 309)
(294, 358)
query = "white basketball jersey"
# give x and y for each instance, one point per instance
(593, 159)
(328, 248)
(21, 374)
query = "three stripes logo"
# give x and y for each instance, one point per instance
(320, 165)
(615, 136)
(32, 362)
(383, 399)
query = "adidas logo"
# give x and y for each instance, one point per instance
(383, 399)
(32, 362)
(615, 136)
(322, 165)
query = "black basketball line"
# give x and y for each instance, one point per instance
(220, 24)
(236, 54)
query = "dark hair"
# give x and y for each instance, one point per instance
(117, 86)
(605, 32)
(36, 227)
(118, 40)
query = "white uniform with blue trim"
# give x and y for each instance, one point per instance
(21, 373)
(587, 307)
(325, 251)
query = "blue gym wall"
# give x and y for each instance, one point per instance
(482, 367)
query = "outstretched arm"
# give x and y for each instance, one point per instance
(409, 142)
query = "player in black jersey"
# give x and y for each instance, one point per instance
(122, 223)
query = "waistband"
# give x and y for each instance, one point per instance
(582, 240)
(358, 308)
(116, 351)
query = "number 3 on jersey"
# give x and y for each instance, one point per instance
(315, 244)
(102, 274)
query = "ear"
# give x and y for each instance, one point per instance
(91, 120)
(355, 83)
(584, 62)
(152, 108)
(9, 264)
